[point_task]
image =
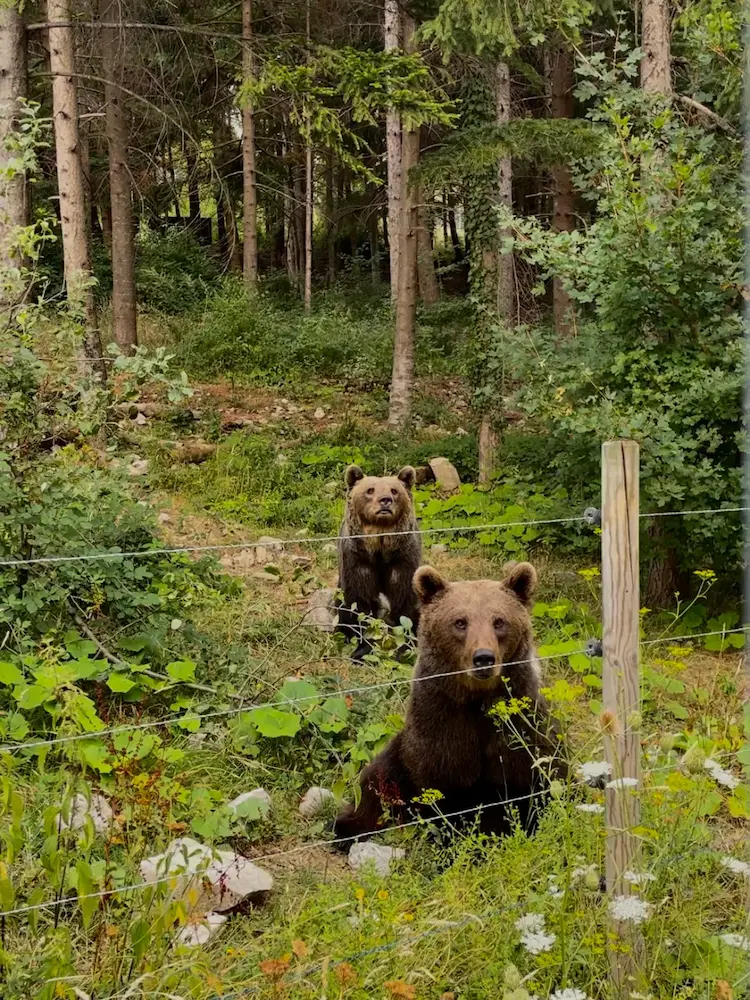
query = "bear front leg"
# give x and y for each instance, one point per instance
(401, 596)
(386, 785)
(360, 585)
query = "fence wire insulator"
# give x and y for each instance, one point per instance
(593, 648)
(593, 516)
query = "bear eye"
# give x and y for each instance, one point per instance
(394, 493)
(371, 491)
(498, 624)
(460, 624)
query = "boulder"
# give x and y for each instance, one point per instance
(376, 855)
(99, 810)
(266, 549)
(315, 801)
(319, 414)
(321, 610)
(138, 467)
(193, 451)
(199, 930)
(440, 548)
(257, 793)
(445, 473)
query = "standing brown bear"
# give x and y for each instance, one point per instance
(475, 650)
(379, 550)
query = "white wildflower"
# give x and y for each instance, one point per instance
(736, 941)
(619, 783)
(736, 866)
(532, 922)
(580, 873)
(556, 892)
(720, 775)
(639, 878)
(537, 942)
(590, 807)
(569, 994)
(594, 772)
(629, 908)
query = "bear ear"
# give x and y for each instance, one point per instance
(429, 584)
(353, 475)
(407, 476)
(520, 578)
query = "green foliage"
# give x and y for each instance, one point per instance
(173, 272)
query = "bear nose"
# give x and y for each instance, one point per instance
(386, 501)
(484, 661)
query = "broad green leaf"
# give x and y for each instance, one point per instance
(273, 723)
(677, 710)
(140, 937)
(710, 803)
(119, 683)
(32, 697)
(86, 888)
(10, 674)
(301, 692)
(96, 755)
(181, 670)
(332, 716)
(738, 802)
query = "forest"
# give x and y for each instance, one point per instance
(244, 247)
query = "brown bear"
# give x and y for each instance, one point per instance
(378, 551)
(475, 650)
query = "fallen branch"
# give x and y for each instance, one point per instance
(690, 102)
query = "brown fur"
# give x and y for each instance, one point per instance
(449, 742)
(384, 561)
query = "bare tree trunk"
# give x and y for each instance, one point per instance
(194, 195)
(428, 286)
(308, 189)
(402, 380)
(70, 182)
(561, 80)
(172, 178)
(455, 241)
(124, 310)
(655, 65)
(372, 225)
(331, 221)
(299, 226)
(393, 138)
(249, 187)
(13, 202)
(505, 289)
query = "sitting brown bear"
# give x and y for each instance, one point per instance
(475, 650)
(376, 555)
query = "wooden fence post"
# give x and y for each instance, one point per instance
(621, 693)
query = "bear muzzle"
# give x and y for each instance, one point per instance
(483, 664)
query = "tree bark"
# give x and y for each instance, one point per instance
(455, 240)
(194, 195)
(372, 225)
(124, 309)
(330, 221)
(505, 288)
(561, 80)
(428, 286)
(70, 182)
(402, 380)
(13, 202)
(393, 138)
(655, 65)
(249, 187)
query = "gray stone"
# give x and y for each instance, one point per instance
(257, 793)
(139, 467)
(445, 473)
(199, 930)
(377, 855)
(321, 610)
(319, 413)
(314, 802)
(438, 549)
(98, 810)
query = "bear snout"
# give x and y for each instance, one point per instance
(483, 662)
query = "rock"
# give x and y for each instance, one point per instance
(257, 793)
(222, 879)
(140, 418)
(164, 518)
(284, 402)
(303, 561)
(239, 562)
(266, 549)
(195, 740)
(439, 549)
(445, 473)
(193, 450)
(329, 547)
(200, 930)
(319, 414)
(362, 855)
(99, 810)
(321, 610)
(461, 432)
(139, 467)
(314, 802)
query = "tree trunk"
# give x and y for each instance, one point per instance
(173, 179)
(402, 380)
(428, 286)
(393, 139)
(331, 221)
(13, 202)
(655, 65)
(70, 183)
(372, 225)
(455, 241)
(249, 188)
(194, 195)
(505, 288)
(561, 80)
(124, 310)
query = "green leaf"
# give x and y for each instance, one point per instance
(332, 716)
(738, 802)
(677, 710)
(32, 697)
(96, 755)
(251, 808)
(140, 937)
(710, 804)
(85, 888)
(119, 683)
(273, 723)
(181, 670)
(10, 674)
(295, 690)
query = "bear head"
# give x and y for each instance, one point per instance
(379, 502)
(480, 630)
